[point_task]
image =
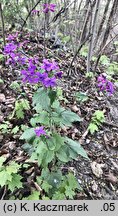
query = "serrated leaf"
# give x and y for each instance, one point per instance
(68, 117)
(73, 183)
(41, 97)
(28, 134)
(20, 114)
(69, 192)
(45, 186)
(58, 196)
(25, 104)
(52, 95)
(34, 196)
(99, 115)
(15, 183)
(15, 130)
(48, 157)
(4, 177)
(2, 160)
(76, 147)
(63, 154)
(92, 128)
(12, 168)
(59, 140)
(81, 96)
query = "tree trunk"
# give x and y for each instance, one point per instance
(90, 53)
(102, 21)
(109, 23)
(3, 26)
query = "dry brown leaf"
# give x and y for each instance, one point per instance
(96, 169)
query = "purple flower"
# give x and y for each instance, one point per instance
(59, 74)
(42, 76)
(110, 88)
(30, 76)
(48, 7)
(50, 82)
(9, 48)
(105, 85)
(12, 37)
(49, 66)
(40, 131)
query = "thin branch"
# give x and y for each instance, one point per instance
(79, 48)
(102, 50)
(29, 14)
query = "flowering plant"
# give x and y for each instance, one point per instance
(105, 85)
(46, 144)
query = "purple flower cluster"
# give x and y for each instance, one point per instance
(47, 76)
(12, 37)
(40, 131)
(48, 7)
(105, 85)
(48, 73)
(12, 51)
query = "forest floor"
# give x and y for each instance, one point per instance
(98, 176)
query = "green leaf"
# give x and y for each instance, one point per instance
(25, 104)
(69, 192)
(104, 60)
(45, 186)
(12, 168)
(81, 96)
(99, 115)
(1, 81)
(68, 117)
(41, 97)
(48, 157)
(58, 196)
(15, 85)
(55, 178)
(92, 128)
(15, 130)
(1, 57)
(2, 160)
(4, 177)
(63, 154)
(76, 147)
(45, 198)
(20, 114)
(34, 196)
(15, 183)
(73, 183)
(43, 118)
(58, 140)
(51, 143)
(52, 95)
(28, 134)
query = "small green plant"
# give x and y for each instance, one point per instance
(15, 86)
(9, 175)
(52, 149)
(1, 81)
(5, 127)
(89, 75)
(113, 68)
(104, 60)
(97, 119)
(54, 185)
(1, 57)
(21, 106)
(81, 97)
